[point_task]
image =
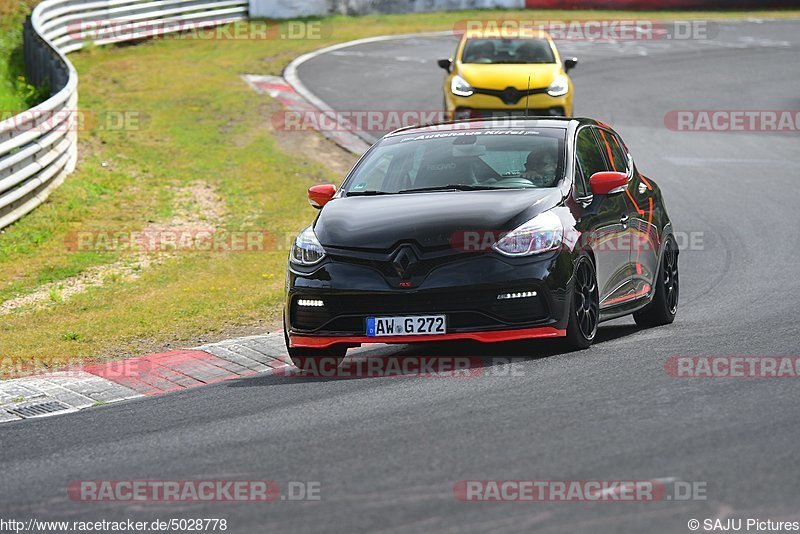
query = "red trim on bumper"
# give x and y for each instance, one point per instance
(321, 342)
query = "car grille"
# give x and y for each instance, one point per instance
(474, 113)
(424, 264)
(510, 95)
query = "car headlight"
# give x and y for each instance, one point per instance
(559, 87)
(306, 249)
(541, 234)
(460, 87)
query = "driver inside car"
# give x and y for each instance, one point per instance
(540, 168)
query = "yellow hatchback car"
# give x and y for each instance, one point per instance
(497, 76)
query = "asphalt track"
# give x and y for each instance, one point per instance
(388, 451)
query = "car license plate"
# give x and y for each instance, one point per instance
(406, 326)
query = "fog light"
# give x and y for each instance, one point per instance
(523, 295)
(310, 302)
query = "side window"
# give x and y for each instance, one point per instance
(589, 156)
(625, 153)
(581, 183)
(614, 152)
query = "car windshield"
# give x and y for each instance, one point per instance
(516, 51)
(461, 160)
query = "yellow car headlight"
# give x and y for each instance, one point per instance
(559, 87)
(460, 87)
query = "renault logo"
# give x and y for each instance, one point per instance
(404, 261)
(510, 95)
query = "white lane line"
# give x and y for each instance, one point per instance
(7, 416)
(292, 78)
(409, 59)
(75, 389)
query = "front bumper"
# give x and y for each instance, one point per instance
(315, 342)
(463, 113)
(485, 106)
(465, 290)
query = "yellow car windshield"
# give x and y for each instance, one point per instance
(512, 51)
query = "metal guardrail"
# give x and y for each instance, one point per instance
(38, 148)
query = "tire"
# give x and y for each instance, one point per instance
(311, 361)
(584, 310)
(664, 306)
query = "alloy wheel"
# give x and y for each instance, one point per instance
(669, 273)
(586, 300)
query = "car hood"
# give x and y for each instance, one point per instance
(500, 76)
(430, 219)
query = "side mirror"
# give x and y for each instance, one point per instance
(319, 195)
(608, 182)
(570, 63)
(446, 64)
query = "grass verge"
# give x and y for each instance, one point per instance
(15, 93)
(177, 140)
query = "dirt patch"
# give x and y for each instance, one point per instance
(197, 207)
(61, 290)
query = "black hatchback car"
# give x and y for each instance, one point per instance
(482, 230)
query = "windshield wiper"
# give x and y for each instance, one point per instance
(367, 193)
(449, 187)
